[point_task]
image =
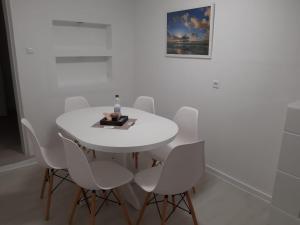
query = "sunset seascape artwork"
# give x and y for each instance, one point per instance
(189, 32)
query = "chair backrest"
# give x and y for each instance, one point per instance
(77, 102)
(78, 165)
(145, 103)
(33, 143)
(182, 170)
(187, 121)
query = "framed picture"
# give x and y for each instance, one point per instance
(190, 32)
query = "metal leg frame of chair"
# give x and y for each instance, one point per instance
(184, 203)
(49, 176)
(155, 162)
(90, 197)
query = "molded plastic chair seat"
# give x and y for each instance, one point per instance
(161, 154)
(74, 103)
(91, 177)
(144, 103)
(52, 159)
(184, 166)
(187, 121)
(110, 174)
(148, 178)
(56, 157)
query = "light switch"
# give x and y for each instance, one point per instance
(29, 51)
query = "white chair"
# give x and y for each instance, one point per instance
(187, 120)
(180, 172)
(144, 103)
(95, 176)
(75, 103)
(52, 159)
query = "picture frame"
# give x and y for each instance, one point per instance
(189, 32)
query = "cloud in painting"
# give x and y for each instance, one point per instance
(207, 12)
(199, 23)
(190, 21)
(185, 18)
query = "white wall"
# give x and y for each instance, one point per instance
(256, 57)
(42, 99)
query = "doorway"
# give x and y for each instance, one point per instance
(10, 141)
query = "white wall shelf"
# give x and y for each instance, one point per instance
(83, 54)
(86, 72)
(73, 51)
(74, 34)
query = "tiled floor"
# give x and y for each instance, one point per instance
(216, 203)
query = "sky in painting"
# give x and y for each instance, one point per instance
(192, 23)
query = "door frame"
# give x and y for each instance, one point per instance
(14, 72)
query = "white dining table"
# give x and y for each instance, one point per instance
(149, 132)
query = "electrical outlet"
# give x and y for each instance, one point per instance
(216, 84)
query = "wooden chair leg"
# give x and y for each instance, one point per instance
(49, 197)
(94, 154)
(136, 160)
(164, 210)
(123, 206)
(143, 209)
(154, 162)
(188, 197)
(74, 205)
(194, 190)
(93, 209)
(45, 180)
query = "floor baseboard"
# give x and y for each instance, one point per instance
(213, 171)
(239, 184)
(21, 164)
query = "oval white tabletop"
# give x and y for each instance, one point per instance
(149, 131)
